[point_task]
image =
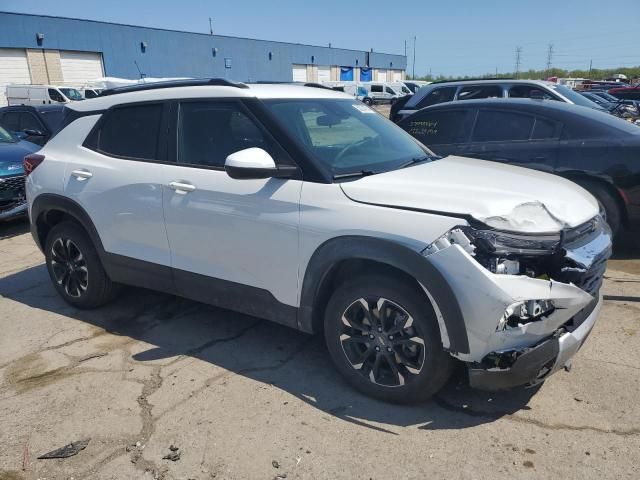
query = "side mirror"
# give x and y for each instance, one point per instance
(33, 133)
(255, 163)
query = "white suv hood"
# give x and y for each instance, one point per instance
(502, 196)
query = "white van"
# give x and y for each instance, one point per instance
(41, 94)
(382, 92)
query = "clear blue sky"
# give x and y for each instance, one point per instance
(453, 37)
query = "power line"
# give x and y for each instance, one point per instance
(549, 58)
(518, 54)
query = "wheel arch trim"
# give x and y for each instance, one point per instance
(47, 202)
(392, 254)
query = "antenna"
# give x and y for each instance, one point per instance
(210, 27)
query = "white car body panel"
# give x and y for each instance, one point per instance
(122, 197)
(243, 231)
(503, 196)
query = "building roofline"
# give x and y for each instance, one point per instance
(193, 33)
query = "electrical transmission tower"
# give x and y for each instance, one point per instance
(549, 58)
(518, 58)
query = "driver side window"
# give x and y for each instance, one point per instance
(208, 132)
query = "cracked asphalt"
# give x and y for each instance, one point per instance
(239, 396)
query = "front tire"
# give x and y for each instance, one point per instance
(75, 268)
(383, 337)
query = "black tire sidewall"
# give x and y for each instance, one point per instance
(607, 202)
(99, 286)
(438, 363)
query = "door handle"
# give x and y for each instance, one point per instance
(182, 187)
(82, 174)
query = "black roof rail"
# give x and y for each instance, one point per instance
(473, 79)
(195, 82)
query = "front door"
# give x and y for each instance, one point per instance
(234, 243)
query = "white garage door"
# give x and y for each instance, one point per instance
(80, 67)
(397, 76)
(382, 75)
(299, 73)
(14, 68)
(324, 74)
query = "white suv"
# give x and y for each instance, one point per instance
(303, 206)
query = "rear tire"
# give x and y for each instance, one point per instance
(383, 337)
(608, 204)
(75, 268)
(367, 101)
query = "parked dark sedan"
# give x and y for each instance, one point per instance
(36, 124)
(596, 150)
(12, 151)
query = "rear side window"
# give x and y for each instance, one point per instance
(376, 88)
(11, 120)
(131, 132)
(497, 126)
(28, 121)
(544, 129)
(528, 91)
(473, 92)
(440, 127)
(439, 95)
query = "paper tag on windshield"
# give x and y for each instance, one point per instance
(363, 108)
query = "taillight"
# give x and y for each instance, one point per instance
(30, 163)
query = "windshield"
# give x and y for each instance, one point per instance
(347, 136)
(575, 97)
(71, 93)
(6, 137)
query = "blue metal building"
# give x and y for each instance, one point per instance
(45, 49)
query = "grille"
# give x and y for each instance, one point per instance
(12, 184)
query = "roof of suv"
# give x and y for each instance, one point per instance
(263, 91)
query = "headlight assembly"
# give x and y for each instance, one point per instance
(495, 242)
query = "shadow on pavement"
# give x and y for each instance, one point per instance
(290, 360)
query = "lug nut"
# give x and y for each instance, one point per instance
(371, 336)
(377, 349)
(380, 329)
(390, 337)
(389, 349)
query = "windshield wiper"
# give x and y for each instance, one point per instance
(416, 160)
(359, 173)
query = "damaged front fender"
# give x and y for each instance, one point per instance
(484, 297)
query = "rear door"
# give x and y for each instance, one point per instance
(445, 131)
(117, 177)
(514, 137)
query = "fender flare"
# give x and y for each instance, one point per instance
(47, 202)
(390, 253)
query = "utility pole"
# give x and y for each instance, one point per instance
(590, 67)
(413, 75)
(405, 47)
(518, 59)
(549, 59)
(210, 27)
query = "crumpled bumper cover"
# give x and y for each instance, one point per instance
(538, 362)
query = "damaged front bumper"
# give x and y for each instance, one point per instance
(502, 350)
(533, 365)
(14, 210)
